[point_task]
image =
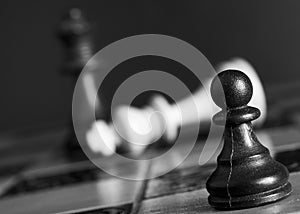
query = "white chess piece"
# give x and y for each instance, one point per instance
(161, 119)
(102, 138)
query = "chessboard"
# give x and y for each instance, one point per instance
(81, 187)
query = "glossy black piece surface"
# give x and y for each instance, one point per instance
(246, 174)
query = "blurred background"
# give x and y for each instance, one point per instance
(36, 95)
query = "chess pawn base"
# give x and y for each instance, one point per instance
(246, 175)
(251, 200)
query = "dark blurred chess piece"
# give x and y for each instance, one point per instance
(75, 33)
(246, 174)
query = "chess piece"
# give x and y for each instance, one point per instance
(102, 138)
(132, 122)
(75, 33)
(246, 175)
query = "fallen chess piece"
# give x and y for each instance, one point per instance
(141, 127)
(102, 138)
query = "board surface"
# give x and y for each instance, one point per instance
(83, 188)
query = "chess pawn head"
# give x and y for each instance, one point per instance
(236, 88)
(246, 175)
(258, 98)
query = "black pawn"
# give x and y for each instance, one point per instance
(246, 174)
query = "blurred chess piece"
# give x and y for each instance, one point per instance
(102, 138)
(141, 127)
(75, 33)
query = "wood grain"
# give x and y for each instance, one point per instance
(196, 202)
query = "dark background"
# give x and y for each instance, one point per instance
(35, 94)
